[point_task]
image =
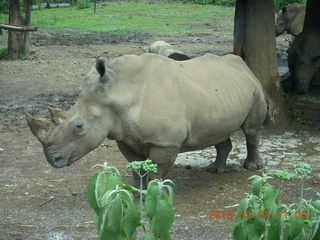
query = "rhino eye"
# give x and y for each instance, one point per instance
(77, 126)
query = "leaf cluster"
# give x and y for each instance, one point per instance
(116, 215)
(260, 216)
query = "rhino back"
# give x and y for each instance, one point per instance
(173, 102)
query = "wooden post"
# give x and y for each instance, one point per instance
(255, 42)
(17, 40)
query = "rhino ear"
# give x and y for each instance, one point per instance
(57, 115)
(284, 9)
(38, 126)
(101, 69)
(101, 66)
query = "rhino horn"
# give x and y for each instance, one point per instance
(57, 115)
(38, 126)
(101, 69)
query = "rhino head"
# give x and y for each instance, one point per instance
(69, 135)
(290, 18)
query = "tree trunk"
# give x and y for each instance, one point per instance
(312, 18)
(255, 42)
(18, 40)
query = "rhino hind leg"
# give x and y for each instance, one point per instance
(253, 160)
(223, 150)
(131, 156)
(251, 129)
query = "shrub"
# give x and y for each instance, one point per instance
(116, 213)
(4, 54)
(83, 4)
(260, 216)
(280, 3)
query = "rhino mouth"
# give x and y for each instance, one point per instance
(59, 162)
(56, 160)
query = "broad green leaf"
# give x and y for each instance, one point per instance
(257, 225)
(243, 205)
(151, 198)
(316, 204)
(274, 230)
(106, 182)
(148, 237)
(96, 220)
(256, 186)
(295, 225)
(163, 218)
(131, 222)
(238, 233)
(101, 187)
(270, 198)
(91, 196)
(316, 231)
(254, 229)
(113, 180)
(170, 193)
(116, 215)
(104, 231)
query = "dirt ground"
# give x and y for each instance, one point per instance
(36, 199)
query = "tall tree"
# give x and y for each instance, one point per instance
(255, 42)
(19, 15)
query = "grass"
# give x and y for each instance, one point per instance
(163, 18)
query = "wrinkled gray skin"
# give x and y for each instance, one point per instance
(290, 19)
(304, 60)
(155, 107)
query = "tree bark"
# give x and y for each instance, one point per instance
(17, 40)
(255, 42)
(312, 18)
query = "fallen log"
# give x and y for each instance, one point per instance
(17, 28)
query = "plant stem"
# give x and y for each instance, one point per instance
(141, 200)
(302, 189)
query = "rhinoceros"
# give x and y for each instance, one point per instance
(290, 19)
(167, 50)
(155, 107)
(304, 60)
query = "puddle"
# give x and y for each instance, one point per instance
(278, 151)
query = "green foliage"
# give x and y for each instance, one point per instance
(145, 165)
(260, 216)
(115, 212)
(83, 4)
(283, 175)
(4, 53)
(280, 3)
(302, 169)
(182, 19)
(4, 6)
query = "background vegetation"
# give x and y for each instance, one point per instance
(4, 4)
(135, 16)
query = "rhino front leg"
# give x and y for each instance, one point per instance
(131, 156)
(223, 150)
(303, 76)
(164, 158)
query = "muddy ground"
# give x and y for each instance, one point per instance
(36, 199)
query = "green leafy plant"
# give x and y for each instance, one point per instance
(261, 216)
(4, 54)
(83, 4)
(116, 214)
